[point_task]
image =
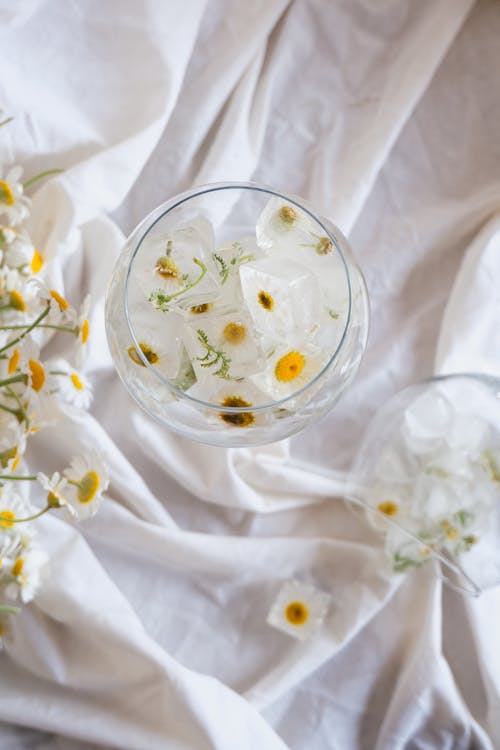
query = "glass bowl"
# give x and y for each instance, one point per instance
(427, 475)
(225, 263)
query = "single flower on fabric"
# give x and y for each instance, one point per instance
(299, 609)
(13, 203)
(69, 384)
(61, 311)
(87, 479)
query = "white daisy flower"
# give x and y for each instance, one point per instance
(87, 479)
(26, 570)
(12, 442)
(55, 487)
(299, 609)
(20, 297)
(12, 508)
(241, 395)
(83, 330)
(13, 203)
(61, 311)
(20, 254)
(159, 338)
(289, 368)
(70, 385)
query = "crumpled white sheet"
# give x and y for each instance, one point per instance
(149, 630)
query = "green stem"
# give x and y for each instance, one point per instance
(14, 379)
(4, 608)
(6, 121)
(30, 328)
(40, 176)
(4, 519)
(20, 405)
(170, 297)
(15, 412)
(43, 325)
(19, 478)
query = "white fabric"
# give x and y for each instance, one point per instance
(149, 630)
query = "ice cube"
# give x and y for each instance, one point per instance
(289, 367)
(223, 346)
(228, 258)
(426, 422)
(176, 270)
(283, 224)
(160, 341)
(239, 394)
(282, 297)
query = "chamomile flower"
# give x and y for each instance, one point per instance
(12, 508)
(12, 442)
(14, 205)
(299, 609)
(55, 486)
(238, 395)
(20, 300)
(87, 481)
(20, 254)
(83, 330)
(26, 570)
(70, 385)
(160, 343)
(289, 368)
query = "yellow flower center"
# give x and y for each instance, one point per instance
(88, 486)
(17, 568)
(234, 333)
(388, 507)
(203, 308)
(37, 374)
(7, 455)
(13, 361)
(85, 330)
(471, 539)
(54, 500)
(16, 461)
(6, 194)
(150, 355)
(237, 419)
(296, 613)
(63, 304)
(76, 381)
(288, 214)
(289, 367)
(324, 246)
(452, 533)
(1, 630)
(36, 262)
(7, 518)
(167, 267)
(16, 300)
(265, 300)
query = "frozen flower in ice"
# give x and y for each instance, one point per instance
(282, 297)
(87, 481)
(289, 369)
(299, 609)
(13, 203)
(70, 384)
(224, 346)
(237, 419)
(160, 343)
(241, 396)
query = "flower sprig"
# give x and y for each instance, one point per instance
(35, 392)
(213, 356)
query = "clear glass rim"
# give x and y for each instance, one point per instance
(155, 216)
